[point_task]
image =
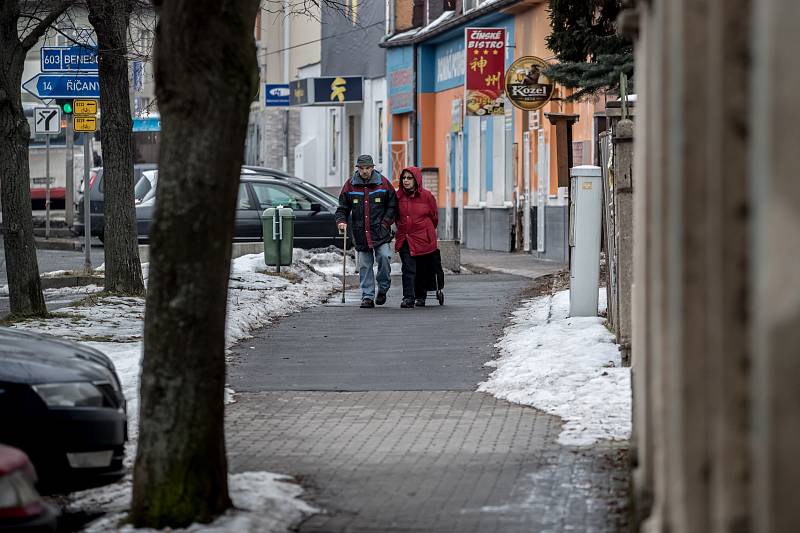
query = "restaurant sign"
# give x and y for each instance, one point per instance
(485, 58)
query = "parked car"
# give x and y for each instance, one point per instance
(62, 404)
(97, 203)
(314, 209)
(21, 507)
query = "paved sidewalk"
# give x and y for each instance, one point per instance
(375, 413)
(518, 264)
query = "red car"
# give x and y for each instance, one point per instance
(21, 507)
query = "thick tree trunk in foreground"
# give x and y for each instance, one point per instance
(123, 272)
(206, 74)
(22, 267)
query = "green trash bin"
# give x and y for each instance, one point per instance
(277, 224)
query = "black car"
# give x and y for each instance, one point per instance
(97, 204)
(62, 404)
(314, 209)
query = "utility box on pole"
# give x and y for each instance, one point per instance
(586, 204)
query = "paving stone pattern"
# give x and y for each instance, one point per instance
(435, 461)
(390, 452)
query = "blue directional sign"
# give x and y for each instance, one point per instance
(68, 59)
(47, 86)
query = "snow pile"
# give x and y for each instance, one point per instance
(262, 502)
(569, 367)
(115, 325)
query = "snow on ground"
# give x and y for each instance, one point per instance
(262, 501)
(565, 366)
(114, 325)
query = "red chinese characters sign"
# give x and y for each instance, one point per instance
(485, 54)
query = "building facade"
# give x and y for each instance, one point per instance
(288, 47)
(486, 171)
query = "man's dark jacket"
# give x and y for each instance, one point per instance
(372, 208)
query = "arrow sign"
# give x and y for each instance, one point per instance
(63, 86)
(47, 120)
(68, 59)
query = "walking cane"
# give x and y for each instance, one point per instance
(344, 262)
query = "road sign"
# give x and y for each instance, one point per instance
(85, 107)
(46, 86)
(85, 124)
(68, 59)
(47, 120)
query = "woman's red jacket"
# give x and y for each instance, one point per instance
(417, 218)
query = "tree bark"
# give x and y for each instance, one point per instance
(123, 271)
(206, 73)
(22, 267)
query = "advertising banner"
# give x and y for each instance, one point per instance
(485, 56)
(527, 88)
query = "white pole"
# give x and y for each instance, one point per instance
(47, 186)
(286, 80)
(87, 203)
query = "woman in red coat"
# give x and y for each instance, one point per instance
(417, 218)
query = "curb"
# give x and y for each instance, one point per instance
(57, 244)
(80, 280)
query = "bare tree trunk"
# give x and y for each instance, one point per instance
(206, 75)
(123, 272)
(22, 267)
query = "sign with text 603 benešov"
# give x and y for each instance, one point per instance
(485, 56)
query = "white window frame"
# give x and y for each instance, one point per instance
(334, 129)
(379, 133)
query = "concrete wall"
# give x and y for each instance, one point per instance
(716, 292)
(556, 245)
(488, 228)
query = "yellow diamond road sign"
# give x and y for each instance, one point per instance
(85, 107)
(84, 123)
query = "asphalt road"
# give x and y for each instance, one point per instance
(49, 260)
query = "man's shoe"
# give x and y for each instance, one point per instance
(419, 302)
(381, 299)
(366, 303)
(407, 303)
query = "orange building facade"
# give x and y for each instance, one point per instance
(495, 177)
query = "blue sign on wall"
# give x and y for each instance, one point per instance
(68, 59)
(63, 86)
(400, 77)
(276, 94)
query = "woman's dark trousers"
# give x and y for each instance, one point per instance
(414, 283)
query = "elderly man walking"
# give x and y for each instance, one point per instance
(368, 203)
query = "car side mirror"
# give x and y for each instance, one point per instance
(316, 207)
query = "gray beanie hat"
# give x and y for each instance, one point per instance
(365, 161)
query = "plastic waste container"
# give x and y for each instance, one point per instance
(277, 225)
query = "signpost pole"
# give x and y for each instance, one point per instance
(47, 186)
(69, 196)
(87, 203)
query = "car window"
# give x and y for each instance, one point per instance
(143, 186)
(244, 200)
(319, 193)
(273, 195)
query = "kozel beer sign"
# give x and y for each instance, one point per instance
(526, 86)
(486, 60)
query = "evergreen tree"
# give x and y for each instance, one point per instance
(591, 55)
